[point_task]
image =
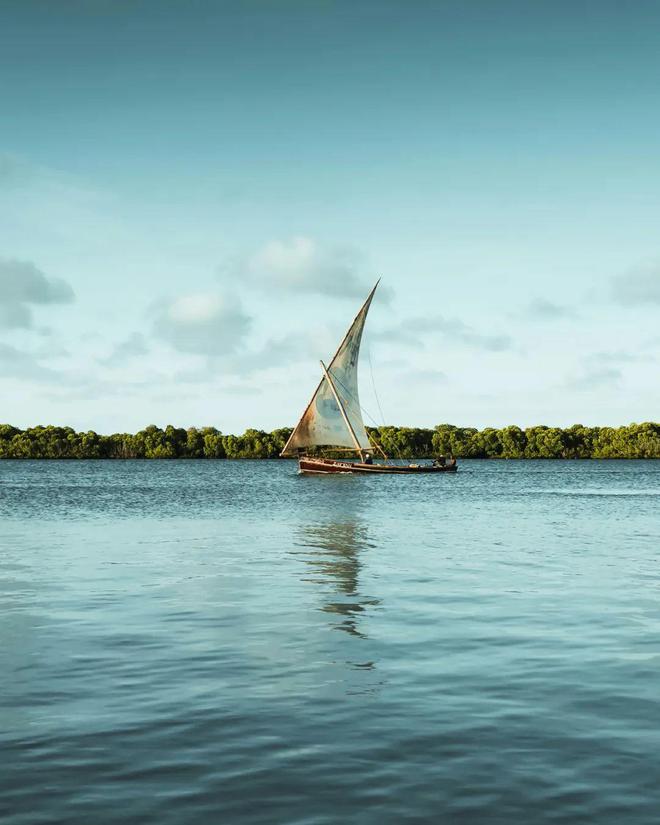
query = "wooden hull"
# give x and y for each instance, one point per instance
(323, 466)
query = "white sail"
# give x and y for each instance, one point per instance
(322, 423)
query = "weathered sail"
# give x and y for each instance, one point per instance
(322, 423)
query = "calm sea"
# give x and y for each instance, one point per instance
(229, 642)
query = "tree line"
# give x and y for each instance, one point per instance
(632, 441)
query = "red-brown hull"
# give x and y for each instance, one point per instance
(321, 466)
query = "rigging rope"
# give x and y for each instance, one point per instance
(350, 394)
(373, 386)
(366, 412)
(380, 409)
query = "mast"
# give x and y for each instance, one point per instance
(342, 410)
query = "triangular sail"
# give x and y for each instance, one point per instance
(322, 423)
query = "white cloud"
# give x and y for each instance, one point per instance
(592, 378)
(271, 354)
(15, 363)
(274, 353)
(426, 376)
(23, 285)
(415, 332)
(638, 287)
(606, 369)
(302, 265)
(618, 357)
(543, 310)
(131, 347)
(202, 323)
(195, 309)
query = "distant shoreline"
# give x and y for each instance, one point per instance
(49, 442)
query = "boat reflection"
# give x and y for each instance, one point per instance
(333, 550)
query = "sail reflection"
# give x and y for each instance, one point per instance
(333, 551)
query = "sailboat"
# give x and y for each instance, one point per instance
(333, 418)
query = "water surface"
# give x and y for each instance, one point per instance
(212, 641)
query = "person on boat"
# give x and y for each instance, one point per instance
(368, 459)
(440, 461)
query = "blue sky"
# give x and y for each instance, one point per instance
(195, 197)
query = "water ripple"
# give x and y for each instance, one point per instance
(217, 641)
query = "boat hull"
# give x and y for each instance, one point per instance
(324, 466)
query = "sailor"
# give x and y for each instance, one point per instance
(440, 461)
(368, 459)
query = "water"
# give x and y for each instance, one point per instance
(230, 642)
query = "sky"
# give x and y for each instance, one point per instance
(197, 196)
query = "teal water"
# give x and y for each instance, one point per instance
(193, 642)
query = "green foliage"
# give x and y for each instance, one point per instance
(253, 444)
(212, 446)
(633, 441)
(402, 441)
